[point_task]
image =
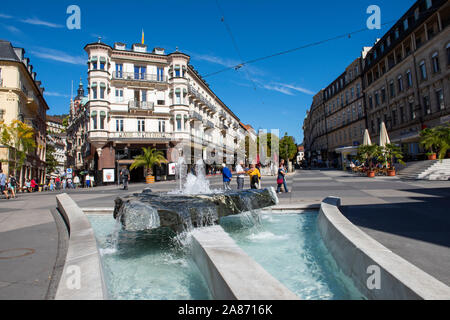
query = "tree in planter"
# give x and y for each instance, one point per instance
(19, 138)
(443, 134)
(430, 139)
(389, 153)
(368, 153)
(150, 158)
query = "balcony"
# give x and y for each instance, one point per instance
(202, 99)
(141, 77)
(195, 116)
(141, 105)
(209, 125)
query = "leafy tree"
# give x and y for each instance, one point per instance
(430, 140)
(443, 134)
(288, 148)
(368, 153)
(150, 158)
(19, 138)
(51, 161)
(389, 152)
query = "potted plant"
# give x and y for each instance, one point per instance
(443, 134)
(366, 153)
(148, 160)
(430, 139)
(389, 153)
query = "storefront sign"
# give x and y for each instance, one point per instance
(172, 169)
(108, 175)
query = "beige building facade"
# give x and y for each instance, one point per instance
(21, 98)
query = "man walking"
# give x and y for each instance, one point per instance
(125, 176)
(3, 188)
(227, 176)
(240, 175)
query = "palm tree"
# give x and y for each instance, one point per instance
(430, 140)
(391, 151)
(147, 160)
(368, 153)
(443, 134)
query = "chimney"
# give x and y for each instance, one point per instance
(120, 46)
(159, 51)
(137, 47)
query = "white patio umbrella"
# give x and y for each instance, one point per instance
(367, 141)
(384, 138)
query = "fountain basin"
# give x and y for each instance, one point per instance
(148, 211)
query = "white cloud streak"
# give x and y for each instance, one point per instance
(13, 29)
(55, 94)
(60, 56)
(5, 16)
(38, 22)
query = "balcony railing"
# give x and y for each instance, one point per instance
(197, 94)
(140, 135)
(196, 116)
(132, 76)
(141, 105)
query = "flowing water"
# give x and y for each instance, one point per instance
(290, 247)
(147, 266)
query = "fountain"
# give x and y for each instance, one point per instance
(193, 205)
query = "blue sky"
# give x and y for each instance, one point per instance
(271, 94)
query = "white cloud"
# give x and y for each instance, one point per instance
(296, 88)
(5, 16)
(60, 56)
(13, 29)
(38, 22)
(55, 94)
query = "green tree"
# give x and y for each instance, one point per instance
(443, 134)
(368, 153)
(51, 161)
(19, 138)
(288, 148)
(430, 140)
(389, 153)
(148, 159)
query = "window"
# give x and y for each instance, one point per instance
(426, 105)
(423, 70)
(405, 24)
(177, 71)
(429, 4)
(412, 113)
(94, 91)
(94, 120)
(391, 89)
(141, 125)
(119, 71)
(448, 54)
(394, 117)
(416, 14)
(383, 95)
(102, 90)
(162, 125)
(377, 99)
(372, 126)
(139, 72)
(353, 92)
(102, 63)
(94, 61)
(178, 97)
(435, 61)
(409, 77)
(179, 124)
(397, 33)
(2, 113)
(160, 74)
(370, 102)
(400, 83)
(119, 125)
(358, 90)
(440, 99)
(102, 120)
(402, 115)
(119, 95)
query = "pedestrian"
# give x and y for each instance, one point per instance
(255, 176)
(92, 181)
(240, 176)
(12, 185)
(281, 181)
(58, 183)
(88, 181)
(51, 185)
(76, 181)
(125, 177)
(3, 186)
(227, 177)
(28, 186)
(33, 185)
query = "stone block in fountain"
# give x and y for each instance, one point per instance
(147, 211)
